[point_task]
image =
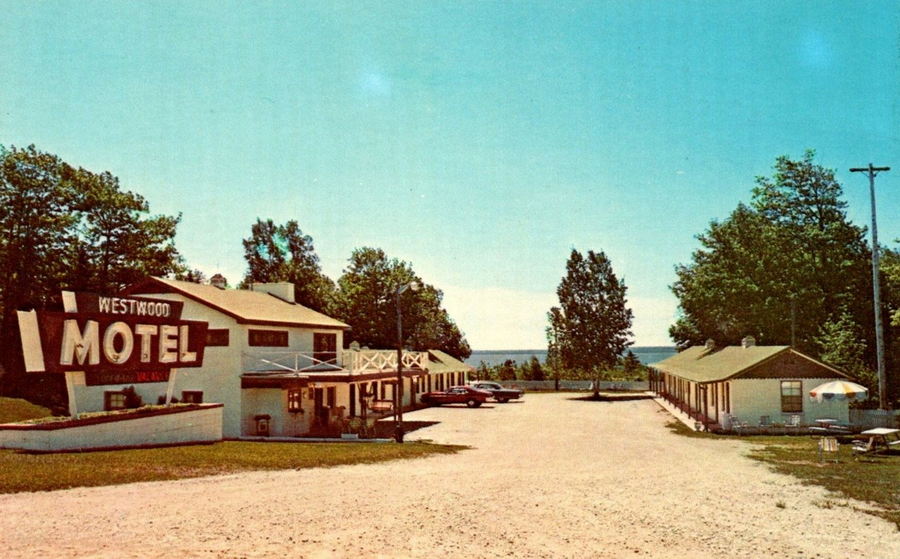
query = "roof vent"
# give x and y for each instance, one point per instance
(748, 341)
(710, 344)
(284, 290)
(218, 280)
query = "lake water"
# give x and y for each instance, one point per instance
(647, 355)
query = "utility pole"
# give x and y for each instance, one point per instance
(872, 171)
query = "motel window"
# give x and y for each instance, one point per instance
(294, 401)
(325, 348)
(268, 338)
(217, 337)
(791, 396)
(113, 401)
(192, 396)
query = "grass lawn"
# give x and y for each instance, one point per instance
(47, 472)
(874, 479)
(14, 409)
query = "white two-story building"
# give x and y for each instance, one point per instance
(277, 366)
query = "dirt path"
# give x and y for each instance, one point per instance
(549, 477)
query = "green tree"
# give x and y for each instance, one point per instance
(592, 325)
(69, 228)
(367, 301)
(535, 370)
(783, 264)
(484, 372)
(841, 344)
(631, 365)
(282, 253)
(890, 265)
(507, 370)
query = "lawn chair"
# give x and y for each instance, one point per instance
(793, 422)
(829, 444)
(764, 421)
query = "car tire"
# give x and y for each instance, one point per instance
(473, 403)
(502, 400)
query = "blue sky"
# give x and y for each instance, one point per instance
(481, 141)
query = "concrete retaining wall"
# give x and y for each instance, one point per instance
(199, 424)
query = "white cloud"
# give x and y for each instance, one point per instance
(499, 318)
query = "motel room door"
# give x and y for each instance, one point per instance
(320, 412)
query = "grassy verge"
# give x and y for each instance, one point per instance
(13, 410)
(47, 472)
(873, 479)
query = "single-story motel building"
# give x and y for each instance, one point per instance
(723, 388)
(278, 368)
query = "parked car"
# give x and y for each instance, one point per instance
(467, 395)
(499, 393)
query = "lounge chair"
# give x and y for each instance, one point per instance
(794, 421)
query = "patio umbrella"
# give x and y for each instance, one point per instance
(838, 390)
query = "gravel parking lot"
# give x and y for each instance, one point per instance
(547, 477)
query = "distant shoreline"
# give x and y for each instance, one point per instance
(533, 351)
(646, 354)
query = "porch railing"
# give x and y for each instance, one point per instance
(356, 362)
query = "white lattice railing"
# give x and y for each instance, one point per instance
(379, 360)
(255, 361)
(362, 361)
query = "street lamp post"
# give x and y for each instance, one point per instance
(872, 171)
(398, 392)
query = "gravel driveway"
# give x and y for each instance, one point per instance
(547, 477)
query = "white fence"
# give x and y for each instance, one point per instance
(575, 385)
(875, 418)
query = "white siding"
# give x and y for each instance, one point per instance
(753, 398)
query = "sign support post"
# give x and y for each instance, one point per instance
(70, 391)
(170, 388)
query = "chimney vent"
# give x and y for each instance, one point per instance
(748, 341)
(284, 290)
(218, 280)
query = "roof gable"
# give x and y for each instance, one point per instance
(440, 362)
(700, 364)
(253, 307)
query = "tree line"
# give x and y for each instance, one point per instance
(627, 367)
(364, 296)
(68, 228)
(789, 268)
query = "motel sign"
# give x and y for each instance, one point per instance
(119, 337)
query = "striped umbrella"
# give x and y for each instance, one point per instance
(838, 390)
